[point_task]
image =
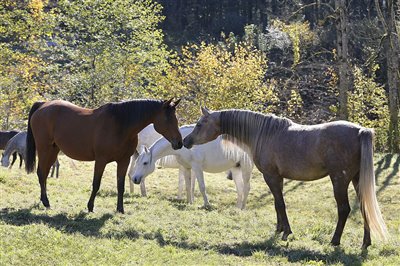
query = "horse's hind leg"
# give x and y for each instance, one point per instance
(246, 175)
(237, 178)
(340, 186)
(367, 234)
(200, 179)
(46, 160)
(98, 173)
(275, 184)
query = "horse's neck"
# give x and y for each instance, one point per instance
(10, 149)
(247, 137)
(162, 147)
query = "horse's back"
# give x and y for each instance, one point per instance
(70, 127)
(311, 152)
(5, 136)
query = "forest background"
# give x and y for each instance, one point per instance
(311, 61)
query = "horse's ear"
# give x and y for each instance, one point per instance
(167, 103)
(205, 111)
(174, 104)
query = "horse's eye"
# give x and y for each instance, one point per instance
(145, 163)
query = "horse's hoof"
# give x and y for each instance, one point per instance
(285, 235)
(46, 203)
(335, 243)
(365, 246)
(120, 211)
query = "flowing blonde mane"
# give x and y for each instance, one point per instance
(249, 130)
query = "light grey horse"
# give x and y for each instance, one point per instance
(283, 149)
(18, 144)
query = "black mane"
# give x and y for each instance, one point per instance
(131, 112)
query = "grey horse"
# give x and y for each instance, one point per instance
(17, 144)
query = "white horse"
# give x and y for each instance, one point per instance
(146, 138)
(209, 157)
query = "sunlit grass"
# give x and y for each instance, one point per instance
(162, 230)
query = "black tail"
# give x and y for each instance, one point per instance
(30, 141)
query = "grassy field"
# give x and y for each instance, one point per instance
(162, 230)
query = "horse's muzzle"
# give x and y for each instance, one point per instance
(137, 179)
(177, 145)
(188, 143)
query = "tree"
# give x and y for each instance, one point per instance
(219, 77)
(111, 50)
(392, 51)
(22, 27)
(344, 84)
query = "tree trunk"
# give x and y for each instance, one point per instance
(342, 56)
(392, 57)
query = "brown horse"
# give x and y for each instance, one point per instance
(106, 134)
(5, 136)
(283, 149)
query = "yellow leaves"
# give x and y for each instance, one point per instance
(36, 8)
(367, 106)
(295, 104)
(220, 78)
(299, 33)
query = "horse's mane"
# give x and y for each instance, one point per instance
(131, 112)
(249, 129)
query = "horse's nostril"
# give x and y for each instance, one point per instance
(136, 180)
(187, 143)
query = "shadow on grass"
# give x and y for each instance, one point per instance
(383, 164)
(78, 224)
(270, 247)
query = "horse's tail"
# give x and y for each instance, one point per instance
(369, 203)
(30, 141)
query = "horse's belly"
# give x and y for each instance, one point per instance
(218, 166)
(303, 173)
(77, 153)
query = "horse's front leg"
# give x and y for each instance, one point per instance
(99, 166)
(181, 183)
(275, 184)
(21, 159)
(14, 157)
(186, 173)
(122, 166)
(200, 179)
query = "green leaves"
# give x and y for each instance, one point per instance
(368, 107)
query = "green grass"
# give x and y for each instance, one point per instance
(162, 230)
